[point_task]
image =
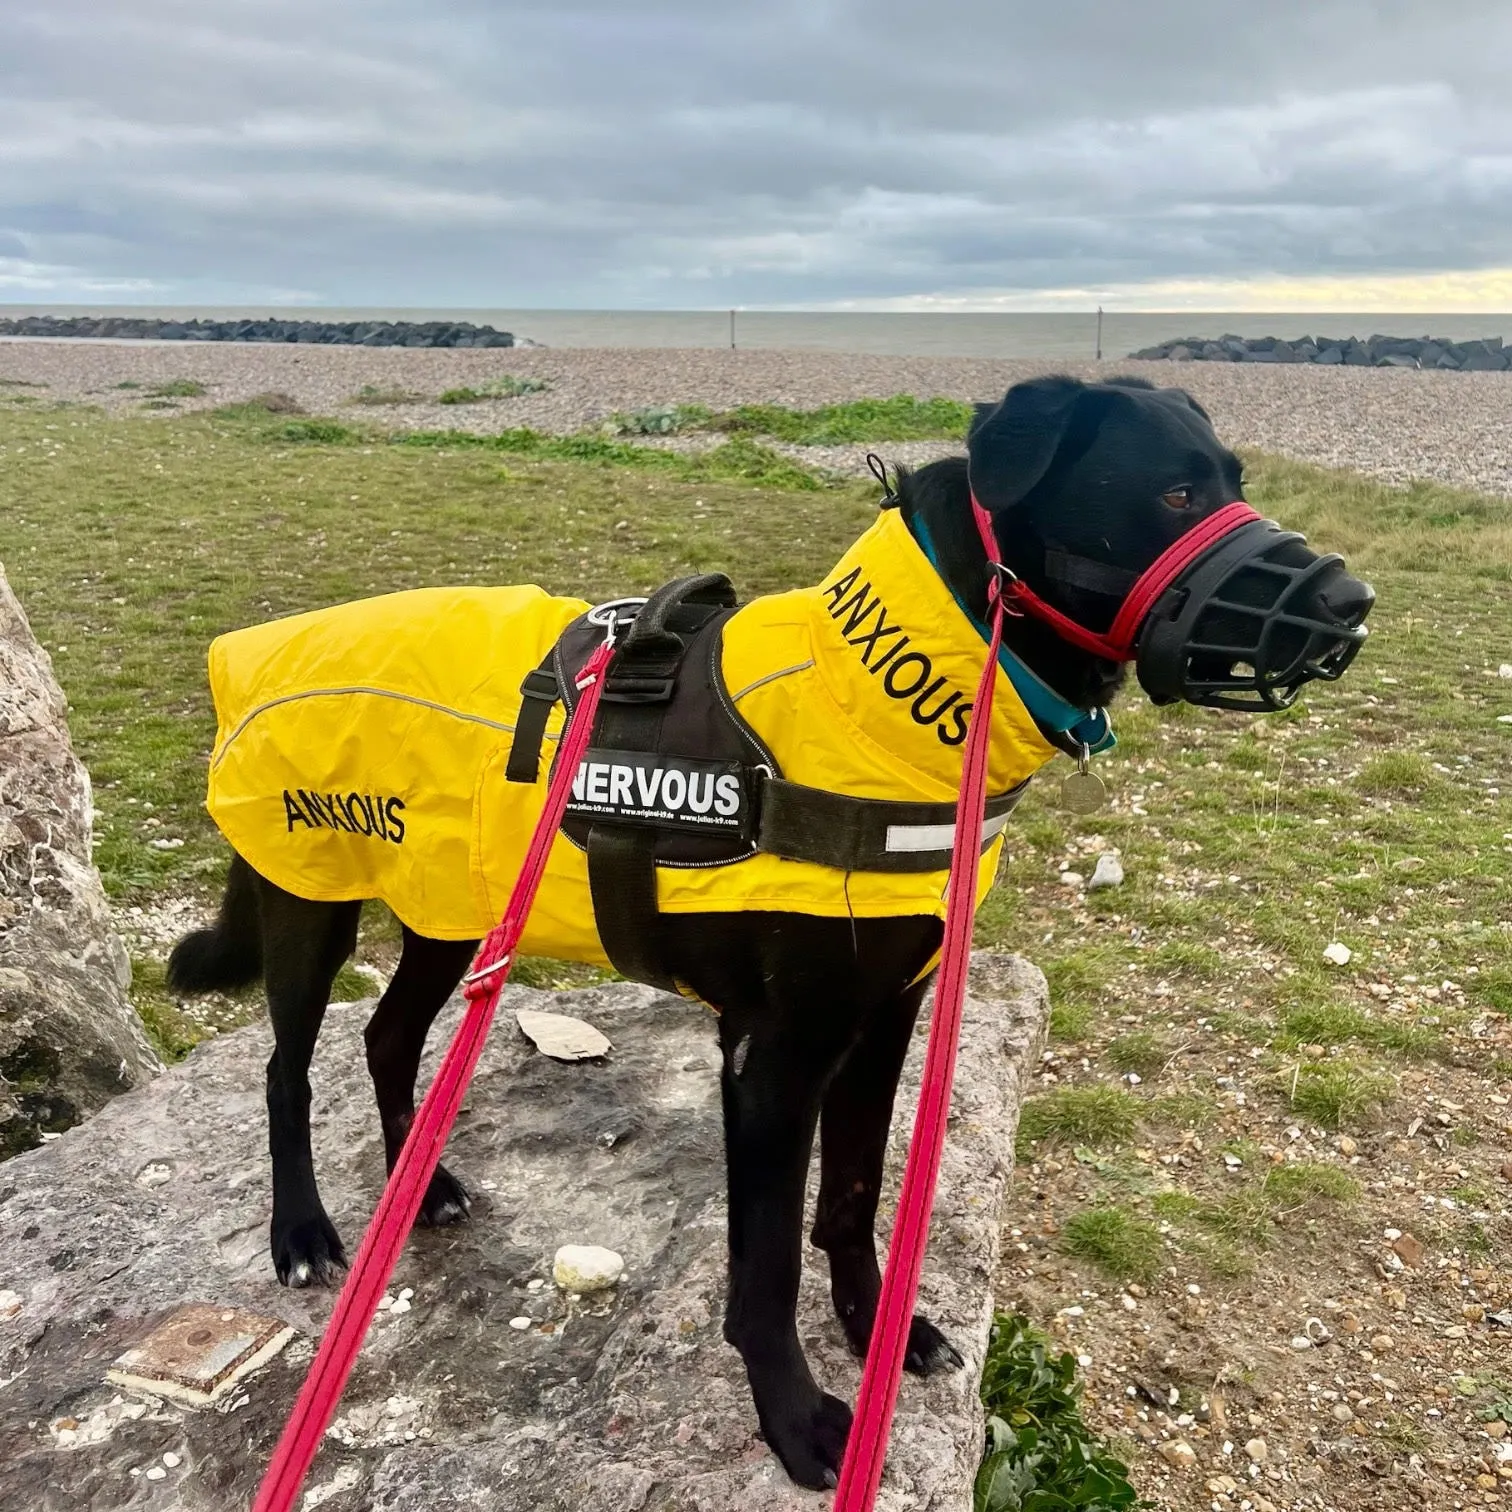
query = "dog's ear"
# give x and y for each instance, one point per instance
(1011, 445)
(1182, 393)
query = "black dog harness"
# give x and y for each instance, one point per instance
(668, 726)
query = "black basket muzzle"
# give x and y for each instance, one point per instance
(1250, 622)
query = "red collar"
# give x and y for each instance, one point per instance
(1118, 644)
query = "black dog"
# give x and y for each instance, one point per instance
(816, 1013)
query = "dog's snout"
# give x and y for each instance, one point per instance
(1348, 600)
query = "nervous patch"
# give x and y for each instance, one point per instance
(640, 787)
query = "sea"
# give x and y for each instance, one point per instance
(1057, 335)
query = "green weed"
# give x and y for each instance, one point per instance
(510, 386)
(1040, 1455)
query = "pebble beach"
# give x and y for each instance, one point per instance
(1392, 423)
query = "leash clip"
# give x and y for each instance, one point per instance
(612, 613)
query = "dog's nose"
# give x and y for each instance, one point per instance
(1347, 599)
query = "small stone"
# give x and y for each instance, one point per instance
(1179, 1453)
(1300, 1342)
(1486, 1482)
(1347, 1146)
(1339, 954)
(1349, 1324)
(10, 1303)
(1258, 1451)
(402, 1305)
(1409, 1250)
(1455, 1331)
(1505, 670)
(1496, 1428)
(1342, 1412)
(1071, 879)
(586, 1268)
(157, 1473)
(519, 1324)
(172, 1460)
(1109, 872)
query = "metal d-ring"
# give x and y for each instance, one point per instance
(610, 615)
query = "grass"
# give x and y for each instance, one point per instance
(177, 388)
(1092, 1115)
(738, 460)
(1339, 1095)
(900, 418)
(1040, 1455)
(1114, 1240)
(1142, 1051)
(372, 395)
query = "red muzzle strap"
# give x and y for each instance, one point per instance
(1119, 642)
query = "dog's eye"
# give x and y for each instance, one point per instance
(1177, 498)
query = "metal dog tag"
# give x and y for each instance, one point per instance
(1083, 791)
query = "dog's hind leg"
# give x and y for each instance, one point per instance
(427, 974)
(304, 944)
(858, 1107)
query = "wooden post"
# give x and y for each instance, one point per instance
(1099, 333)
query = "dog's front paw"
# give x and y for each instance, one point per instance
(810, 1439)
(308, 1252)
(929, 1351)
(446, 1201)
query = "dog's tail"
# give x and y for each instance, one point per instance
(229, 953)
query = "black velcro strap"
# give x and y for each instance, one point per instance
(622, 882)
(1082, 572)
(863, 834)
(541, 691)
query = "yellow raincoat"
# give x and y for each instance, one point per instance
(361, 750)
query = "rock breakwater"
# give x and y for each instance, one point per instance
(368, 333)
(1484, 356)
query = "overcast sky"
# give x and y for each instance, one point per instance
(692, 153)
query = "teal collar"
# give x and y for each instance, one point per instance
(1049, 709)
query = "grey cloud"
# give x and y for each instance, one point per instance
(678, 152)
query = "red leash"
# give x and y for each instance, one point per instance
(395, 1214)
(861, 1473)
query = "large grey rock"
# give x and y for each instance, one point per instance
(69, 1040)
(626, 1401)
